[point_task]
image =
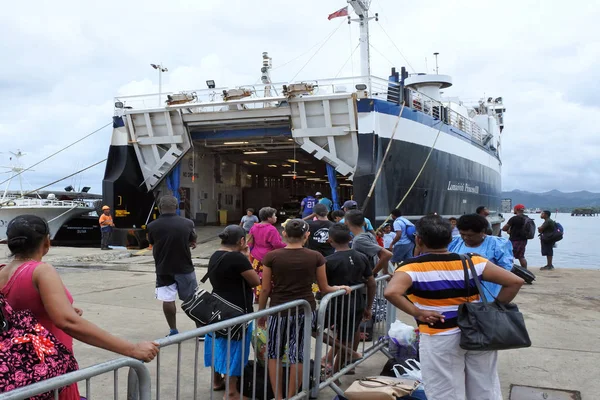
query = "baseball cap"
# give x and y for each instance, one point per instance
(318, 194)
(350, 204)
(519, 207)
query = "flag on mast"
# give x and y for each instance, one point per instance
(342, 12)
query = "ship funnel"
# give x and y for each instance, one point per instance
(429, 85)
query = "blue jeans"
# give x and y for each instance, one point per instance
(403, 252)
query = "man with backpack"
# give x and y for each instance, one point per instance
(548, 238)
(520, 229)
(403, 244)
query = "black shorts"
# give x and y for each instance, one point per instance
(344, 316)
(547, 248)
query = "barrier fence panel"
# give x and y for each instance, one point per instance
(342, 316)
(143, 384)
(287, 364)
(276, 341)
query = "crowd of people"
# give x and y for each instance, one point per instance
(334, 249)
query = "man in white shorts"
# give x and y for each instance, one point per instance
(171, 237)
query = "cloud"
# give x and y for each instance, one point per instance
(63, 63)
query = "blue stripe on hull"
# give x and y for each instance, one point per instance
(385, 107)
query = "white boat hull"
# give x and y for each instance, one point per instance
(56, 216)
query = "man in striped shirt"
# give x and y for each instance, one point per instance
(430, 288)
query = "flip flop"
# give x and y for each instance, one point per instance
(219, 388)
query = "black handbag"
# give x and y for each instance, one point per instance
(208, 308)
(489, 326)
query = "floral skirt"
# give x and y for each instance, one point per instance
(258, 267)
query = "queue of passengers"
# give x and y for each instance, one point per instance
(275, 269)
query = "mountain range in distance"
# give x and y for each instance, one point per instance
(553, 199)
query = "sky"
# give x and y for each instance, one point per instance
(63, 62)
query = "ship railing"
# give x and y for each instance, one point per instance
(262, 95)
(272, 95)
(390, 91)
(24, 202)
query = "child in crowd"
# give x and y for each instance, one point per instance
(454, 222)
(366, 243)
(248, 220)
(348, 267)
(379, 237)
(288, 275)
(388, 236)
(337, 215)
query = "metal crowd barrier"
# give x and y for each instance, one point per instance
(143, 385)
(335, 315)
(188, 361)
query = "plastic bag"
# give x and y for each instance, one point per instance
(412, 370)
(259, 343)
(403, 334)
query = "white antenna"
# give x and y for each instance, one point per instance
(361, 8)
(265, 77)
(437, 69)
(16, 168)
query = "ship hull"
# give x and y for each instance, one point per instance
(55, 216)
(449, 185)
(457, 177)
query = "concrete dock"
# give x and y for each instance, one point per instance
(116, 291)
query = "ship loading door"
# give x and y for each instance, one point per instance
(160, 140)
(268, 141)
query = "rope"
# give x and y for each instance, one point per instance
(319, 49)
(386, 34)
(418, 175)
(387, 150)
(58, 216)
(60, 151)
(56, 181)
(349, 58)
(382, 55)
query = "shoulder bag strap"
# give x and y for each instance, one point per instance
(208, 273)
(466, 260)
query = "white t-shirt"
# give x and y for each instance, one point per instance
(387, 239)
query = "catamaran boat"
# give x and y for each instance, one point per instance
(224, 150)
(55, 212)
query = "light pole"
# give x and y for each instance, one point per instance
(160, 69)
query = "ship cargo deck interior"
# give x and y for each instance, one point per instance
(237, 170)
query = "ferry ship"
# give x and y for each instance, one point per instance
(222, 150)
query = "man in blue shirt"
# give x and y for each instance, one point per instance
(352, 205)
(325, 201)
(307, 205)
(402, 246)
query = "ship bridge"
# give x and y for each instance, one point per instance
(274, 142)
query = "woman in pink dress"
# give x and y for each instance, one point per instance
(30, 284)
(263, 238)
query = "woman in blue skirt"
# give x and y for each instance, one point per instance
(232, 278)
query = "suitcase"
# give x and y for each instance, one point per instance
(521, 272)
